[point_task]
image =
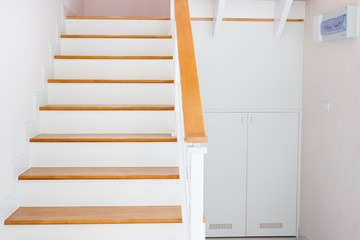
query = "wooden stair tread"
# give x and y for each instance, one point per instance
(106, 81)
(103, 138)
(76, 173)
(113, 57)
(115, 36)
(103, 107)
(95, 215)
(114, 18)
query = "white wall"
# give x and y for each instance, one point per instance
(27, 28)
(330, 195)
(246, 68)
(243, 9)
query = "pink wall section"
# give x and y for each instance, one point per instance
(74, 7)
(330, 186)
(133, 8)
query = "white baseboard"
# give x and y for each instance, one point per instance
(21, 163)
(302, 235)
(10, 203)
(7, 206)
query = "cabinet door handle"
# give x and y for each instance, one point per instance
(252, 119)
(242, 120)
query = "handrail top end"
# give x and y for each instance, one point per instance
(196, 138)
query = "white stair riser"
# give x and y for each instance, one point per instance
(118, 27)
(147, 69)
(164, 231)
(99, 192)
(110, 93)
(103, 154)
(107, 121)
(116, 47)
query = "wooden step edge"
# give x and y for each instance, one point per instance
(99, 177)
(115, 18)
(258, 20)
(95, 215)
(104, 108)
(96, 173)
(244, 19)
(101, 138)
(106, 81)
(118, 36)
(93, 140)
(63, 222)
(114, 57)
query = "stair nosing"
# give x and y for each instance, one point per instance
(59, 57)
(87, 215)
(66, 222)
(91, 173)
(115, 18)
(92, 36)
(110, 81)
(103, 138)
(106, 107)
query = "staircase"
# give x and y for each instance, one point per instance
(106, 162)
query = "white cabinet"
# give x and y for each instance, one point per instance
(272, 174)
(251, 174)
(225, 174)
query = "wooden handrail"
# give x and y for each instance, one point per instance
(191, 97)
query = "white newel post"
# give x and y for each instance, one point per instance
(196, 168)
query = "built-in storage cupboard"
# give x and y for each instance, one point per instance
(251, 92)
(251, 174)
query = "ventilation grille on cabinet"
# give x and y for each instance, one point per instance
(271, 225)
(220, 226)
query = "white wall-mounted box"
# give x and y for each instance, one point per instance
(337, 25)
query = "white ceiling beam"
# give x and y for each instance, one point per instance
(220, 6)
(282, 9)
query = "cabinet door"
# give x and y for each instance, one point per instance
(272, 174)
(225, 174)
